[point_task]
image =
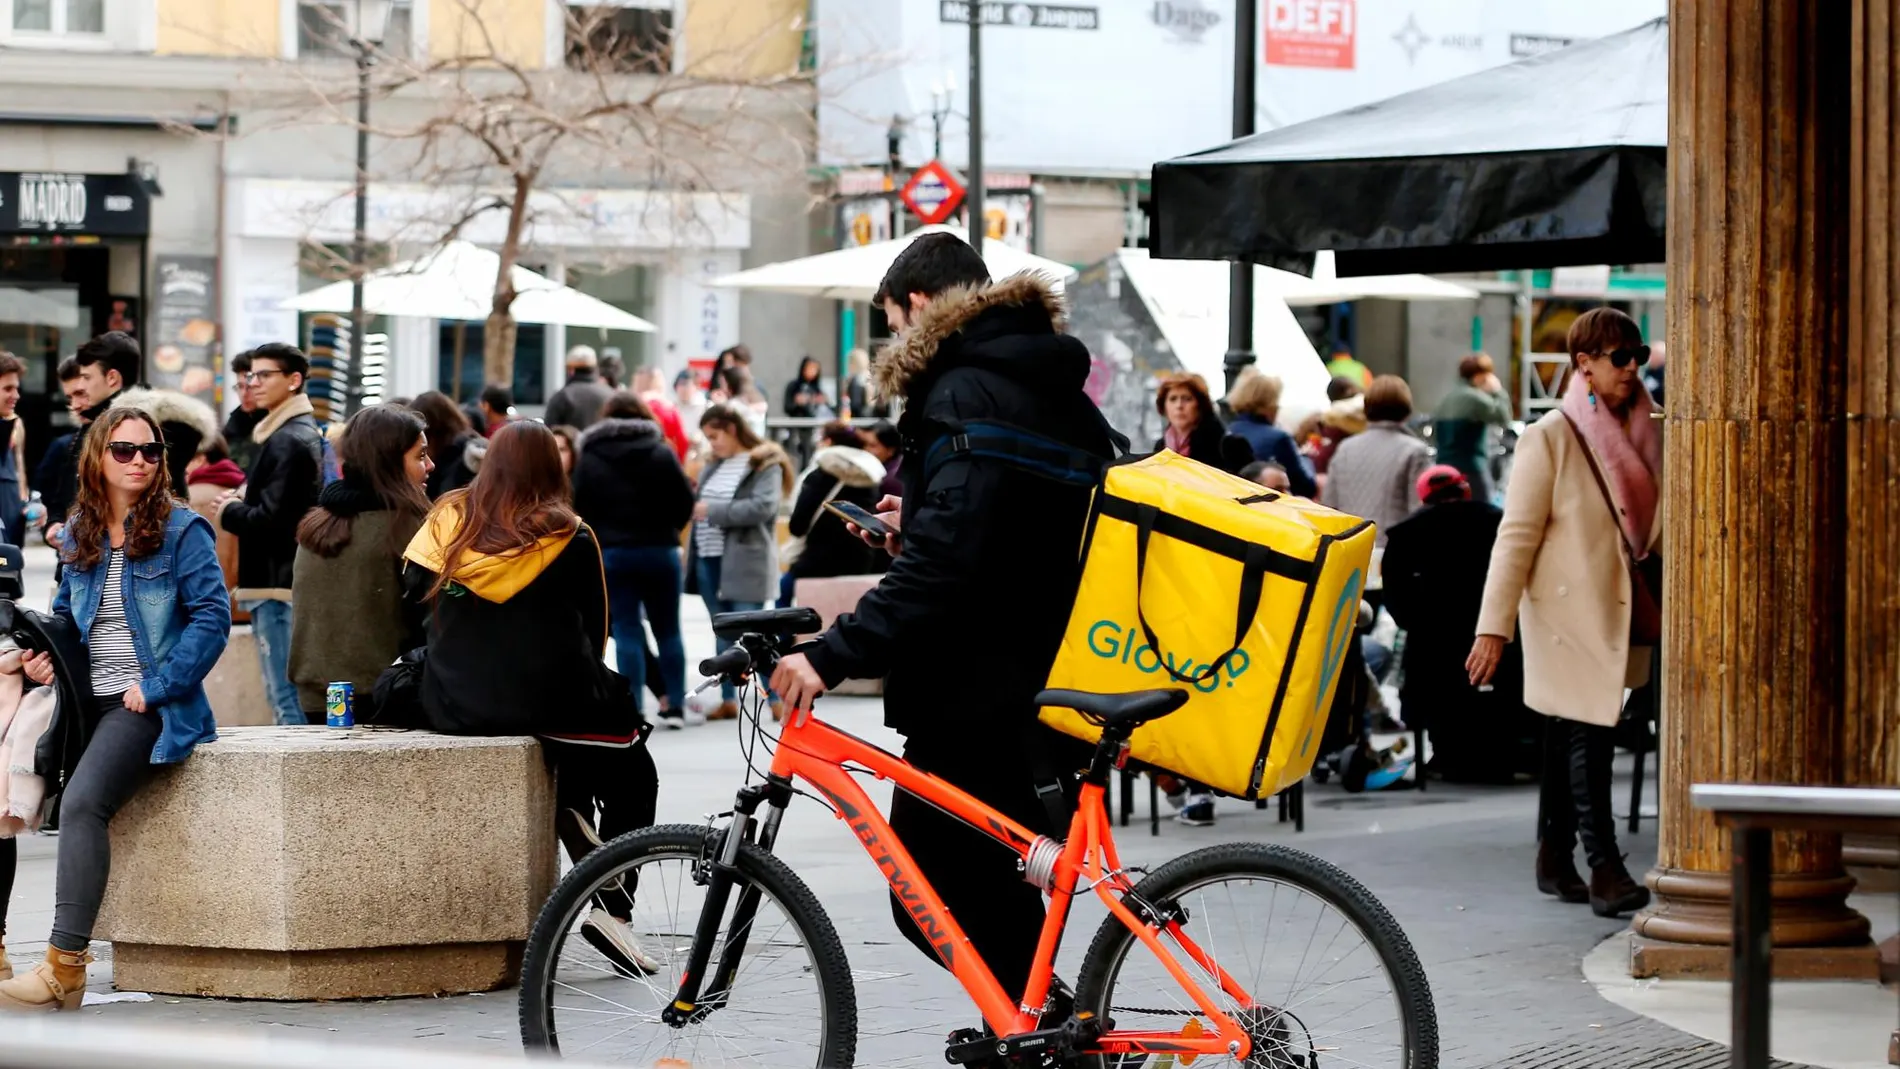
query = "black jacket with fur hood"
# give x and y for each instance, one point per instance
(967, 621)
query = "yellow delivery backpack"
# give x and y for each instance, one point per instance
(1245, 597)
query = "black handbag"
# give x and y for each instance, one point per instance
(396, 699)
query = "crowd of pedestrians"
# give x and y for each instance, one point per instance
(421, 539)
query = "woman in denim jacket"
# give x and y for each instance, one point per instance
(143, 584)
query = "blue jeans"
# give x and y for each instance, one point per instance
(270, 625)
(709, 593)
(645, 580)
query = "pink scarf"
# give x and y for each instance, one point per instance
(1175, 440)
(1630, 458)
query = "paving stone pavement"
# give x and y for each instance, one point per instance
(1452, 864)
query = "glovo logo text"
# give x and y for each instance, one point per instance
(1123, 643)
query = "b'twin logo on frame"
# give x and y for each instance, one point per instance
(1123, 643)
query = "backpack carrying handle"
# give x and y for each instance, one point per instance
(1253, 574)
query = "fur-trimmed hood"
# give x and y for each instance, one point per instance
(623, 429)
(912, 354)
(170, 406)
(850, 466)
(767, 454)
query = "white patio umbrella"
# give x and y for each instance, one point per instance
(457, 281)
(854, 274)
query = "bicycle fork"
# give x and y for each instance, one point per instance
(690, 1004)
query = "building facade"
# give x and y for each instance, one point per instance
(180, 168)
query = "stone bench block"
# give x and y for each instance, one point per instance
(235, 686)
(322, 863)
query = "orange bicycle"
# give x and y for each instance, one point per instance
(1244, 953)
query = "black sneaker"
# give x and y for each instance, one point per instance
(1198, 812)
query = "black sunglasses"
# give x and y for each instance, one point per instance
(1638, 355)
(123, 452)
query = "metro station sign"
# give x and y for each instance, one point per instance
(933, 193)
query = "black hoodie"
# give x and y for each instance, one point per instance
(628, 485)
(967, 621)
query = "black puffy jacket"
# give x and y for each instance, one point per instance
(628, 484)
(966, 623)
(281, 485)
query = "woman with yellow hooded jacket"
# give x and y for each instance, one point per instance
(517, 634)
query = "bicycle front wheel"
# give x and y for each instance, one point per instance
(1331, 978)
(594, 984)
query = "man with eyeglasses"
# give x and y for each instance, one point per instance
(281, 484)
(245, 417)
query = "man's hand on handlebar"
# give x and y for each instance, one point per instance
(796, 682)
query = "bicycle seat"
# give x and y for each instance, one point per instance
(800, 621)
(1126, 711)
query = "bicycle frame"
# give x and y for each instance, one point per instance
(814, 751)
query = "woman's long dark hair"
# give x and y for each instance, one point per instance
(445, 422)
(89, 522)
(519, 497)
(374, 443)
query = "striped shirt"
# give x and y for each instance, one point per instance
(721, 482)
(115, 661)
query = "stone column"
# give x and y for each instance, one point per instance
(1758, 639)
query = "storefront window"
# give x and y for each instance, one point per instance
(630, 289)
(459, 362)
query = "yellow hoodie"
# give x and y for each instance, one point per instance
(492, 577)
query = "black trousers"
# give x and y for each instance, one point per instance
(9, 861)
(976, 876)
(1575, 802)
(608, 792)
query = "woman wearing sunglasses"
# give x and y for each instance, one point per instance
(1576, 565)
(143, 585)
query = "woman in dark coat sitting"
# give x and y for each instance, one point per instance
(517, 633)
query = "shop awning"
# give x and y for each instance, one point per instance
(457, 282)
(853, 274)
(1553, 160)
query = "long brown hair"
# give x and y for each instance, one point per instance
(445, 422)
(519, 497)
(374, 444)
(88, 525)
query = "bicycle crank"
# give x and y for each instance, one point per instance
(1041, 1047)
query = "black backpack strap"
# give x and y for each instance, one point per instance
(1038, 454)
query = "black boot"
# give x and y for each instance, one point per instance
(1614, 891)
(1557, 874)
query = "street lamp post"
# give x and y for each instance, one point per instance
(371, 24)
(975, 194)
(1240, 352)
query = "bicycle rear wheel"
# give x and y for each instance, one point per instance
(791, 1002)
(1334, 981)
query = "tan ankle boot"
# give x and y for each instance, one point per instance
(6, 967)
(58, 983)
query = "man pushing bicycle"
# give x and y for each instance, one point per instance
(965, 624)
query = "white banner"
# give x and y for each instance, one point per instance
(1112, 86)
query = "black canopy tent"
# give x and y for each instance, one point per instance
(1553, 160)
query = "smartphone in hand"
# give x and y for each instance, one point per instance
(858, 516)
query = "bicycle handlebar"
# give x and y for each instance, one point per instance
(734, 659)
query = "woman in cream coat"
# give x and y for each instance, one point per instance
(1560, 583)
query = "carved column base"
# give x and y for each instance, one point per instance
(1817, 936)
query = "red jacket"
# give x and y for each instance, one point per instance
(668, 418)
